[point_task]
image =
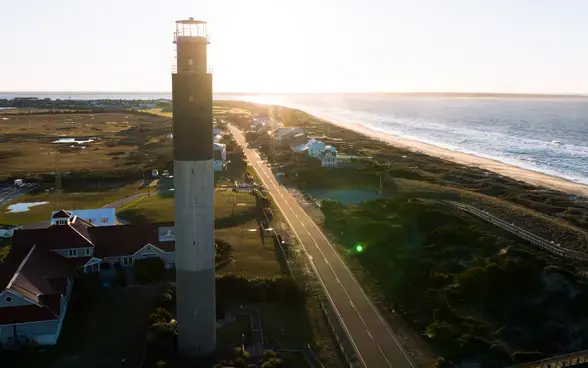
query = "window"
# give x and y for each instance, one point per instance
(189, 61)
(87, 252)
(191, 99)
(73, 253)
(127, 261)
(8, 299)
(104, 220)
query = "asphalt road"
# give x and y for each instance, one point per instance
(10, 193)
(374, 342)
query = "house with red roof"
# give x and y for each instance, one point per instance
(37, 276)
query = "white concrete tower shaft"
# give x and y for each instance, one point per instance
(194, 191)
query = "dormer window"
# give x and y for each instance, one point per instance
(87, 251)
(8, 299)
(73, 252)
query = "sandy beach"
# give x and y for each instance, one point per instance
(518, 173)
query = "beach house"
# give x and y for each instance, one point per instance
(219, 156)
(37, 276)
(315, 148)
(97, 216)
(329, 157)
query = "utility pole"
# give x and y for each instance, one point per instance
(57, 179)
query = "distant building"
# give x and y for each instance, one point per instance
(96, 217)
(329, 157)
(219, 156)
(297, 143)
(8, 231)
(315, 148)
(280, 133)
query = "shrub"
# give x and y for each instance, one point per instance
(148, 270)
(280, 289)
(160, 315)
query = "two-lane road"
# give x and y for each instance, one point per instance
(374, 342)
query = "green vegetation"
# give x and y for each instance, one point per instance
(235, 223)
(474, 295)
(92, 335)
(92, 196)
(123, 146)
(4, 249)
(549, 213)
(276, 289)
(148, 270)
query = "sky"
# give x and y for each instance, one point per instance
(505, 46)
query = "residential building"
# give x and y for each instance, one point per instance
(315, 148)
(280, 133)
(35, 287)
(97, 216)
(37, 276)
(219, 156)
(329, 157)
(297, 143)
(8, 231)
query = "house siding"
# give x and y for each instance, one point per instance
(17, 300)
(168, 257)
(45, 333)
(81, 252)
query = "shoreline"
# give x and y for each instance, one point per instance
(535, 178)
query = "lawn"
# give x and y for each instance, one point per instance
(234, 222)
(118, 143)
(100, 329)
(91, 198)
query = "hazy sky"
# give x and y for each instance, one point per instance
(300, 45)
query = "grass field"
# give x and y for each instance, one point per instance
(113, 143)
(99, 331)
(92, 198)
(234, 222)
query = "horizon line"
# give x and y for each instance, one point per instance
(514, 94)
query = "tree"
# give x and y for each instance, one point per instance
(272, 363)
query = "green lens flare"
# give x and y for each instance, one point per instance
(359, 248)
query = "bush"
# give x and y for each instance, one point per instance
(160, 315)
(148, 270)
(279, 289)
(120, 278)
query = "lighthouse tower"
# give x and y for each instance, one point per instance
(194, 190)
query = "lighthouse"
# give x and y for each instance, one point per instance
(194, 190)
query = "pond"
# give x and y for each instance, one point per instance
(72, 140)
(23, 207)
(345, 196)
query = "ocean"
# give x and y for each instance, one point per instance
(548, 135)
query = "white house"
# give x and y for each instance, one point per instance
(8, 231)
(279, 133)
(219, 156)
(329, 157)
(97, 216)
(259, 122)
(37, 276)
(35, 287)
(315, 148)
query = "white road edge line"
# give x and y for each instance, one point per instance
(320, 279)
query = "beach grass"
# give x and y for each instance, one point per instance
(115, 143)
